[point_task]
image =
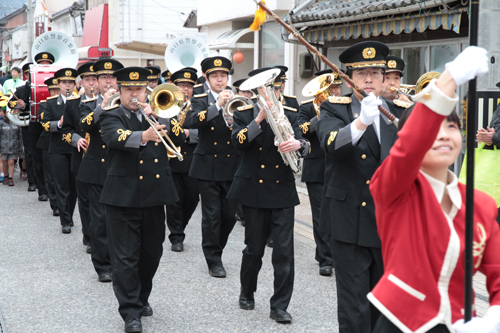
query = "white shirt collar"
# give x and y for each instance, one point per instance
(216, 95)
(64, 98)
(438, 187)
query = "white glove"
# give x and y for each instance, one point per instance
(478, 325)
(369, 109)
(471, 63)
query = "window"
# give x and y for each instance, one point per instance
(415, 64)
(273, 47)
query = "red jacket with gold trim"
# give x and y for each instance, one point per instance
(419, 288)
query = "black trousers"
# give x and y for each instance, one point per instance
(217, 219)
(179, 213)
(323, 249)
(65, 186)
(239, 211)
(357, 271)
(98, 231)
(27, 155)
(82, 190)
(49, 180)
(137, 236)
(384, 325)
(258, 225)
(35, 129)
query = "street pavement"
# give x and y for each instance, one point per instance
(48, 284)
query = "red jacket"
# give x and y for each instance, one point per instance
(423, 250)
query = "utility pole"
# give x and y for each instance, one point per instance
(30, 29)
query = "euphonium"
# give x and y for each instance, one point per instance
(320, 88)
(231, 105)
(424, 80)
(276, 118)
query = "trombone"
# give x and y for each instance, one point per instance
(172, 150)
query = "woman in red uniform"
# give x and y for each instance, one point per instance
(420, 209)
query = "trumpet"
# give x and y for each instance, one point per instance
(92, 92)
(172, 150)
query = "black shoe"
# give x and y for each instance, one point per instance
(105, 277)
(217, 271)
(66, 229)
(246, 303)
(177, 247)
(43, 197)
(270, 243)
(85, 242)
(133, 325)
(242, 222)
(88, 249)
(71, 224)
(55, 212)
(32, 188)
(325, 270)
(147, 310)
(281, 316)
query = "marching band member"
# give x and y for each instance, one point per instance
(179, 213)
(265, 187)
(79, 141)
(313, 172)
(153, 76)
(214, 163)
(392, 79)
(420, 208)
(43, 144)
(204, 87)
(137, 187)
(44, 58)
(355, 137)
(59, 151)
(286, 100)
(166, 75)
(95, 165)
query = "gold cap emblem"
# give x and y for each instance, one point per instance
(369, 53)
(392, 64)
(217, 62)
(187, 75)
(45, 56)
(67, 73)
(92, 68)
(134, 76)
(108, 65)
(151, 71)
(54, 81)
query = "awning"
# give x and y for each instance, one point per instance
(386, 26)
(138, 46)
(229, 40)
(95, 34)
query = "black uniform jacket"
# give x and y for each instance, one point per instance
(138, 175)
(348, 211)
(44, 139)
(201, 88)
(313, 166)
(52, 113)
(215, 157)
(262, 180)
(71, 127)
(187, 147)
(95, 162)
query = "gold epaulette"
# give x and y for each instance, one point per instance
(340, 99)
(308, 101)
(245, 107)
(288, 96)
(89, 100)
(289, 108)
(43, 101)
(200, 95)
(72, 98)
(402, 104)
(254, 97)
(197, 85)
(111, 107)
(52, 97)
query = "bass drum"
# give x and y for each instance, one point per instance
(39, 91)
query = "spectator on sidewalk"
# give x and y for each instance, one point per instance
(10, 146)
(14, 82)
